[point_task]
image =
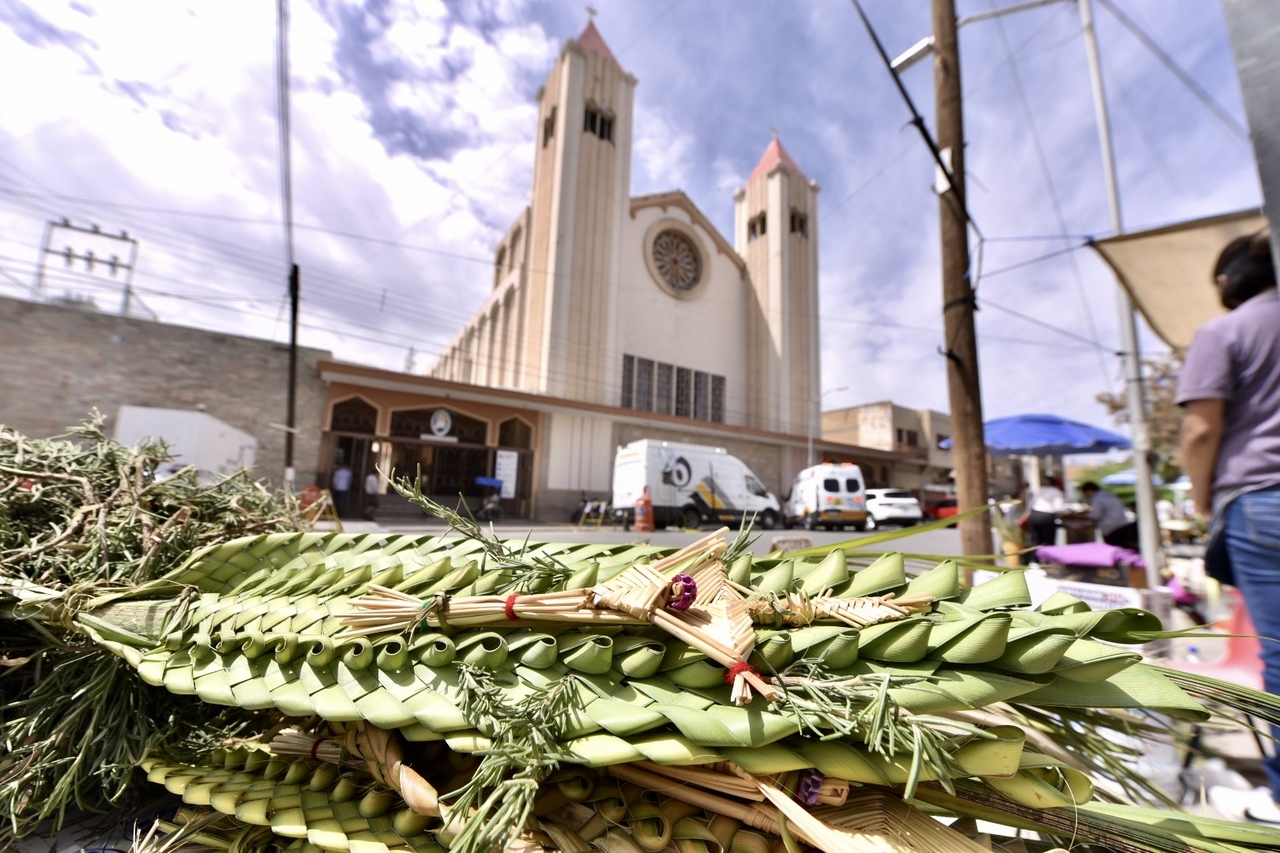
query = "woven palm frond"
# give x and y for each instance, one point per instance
(408, 649)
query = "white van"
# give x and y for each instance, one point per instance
(830, 495)
(689, 484)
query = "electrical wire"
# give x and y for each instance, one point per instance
(1047, 176)
(1201, 94)
(1051, 327)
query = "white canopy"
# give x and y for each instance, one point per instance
(1169, 271)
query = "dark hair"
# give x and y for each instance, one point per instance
(1090, 486)
(1246, 263)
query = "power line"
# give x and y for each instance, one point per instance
(1042, 324)
(1186, 79)
(1047, 175)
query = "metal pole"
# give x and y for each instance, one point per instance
(958, 302)
(1148, 530)
(293, 375)
(809, 454)
(37, 291)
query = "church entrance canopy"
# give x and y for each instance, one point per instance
(1168, 271)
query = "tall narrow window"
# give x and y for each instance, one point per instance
(799, 224)
(590, 120)
(757, 226)
(549, 127)
(606, 128)
(701, 396)
(644, 384)
(514, 257)
(662, 389)
(628, 372)
(684, 392)
(717, 399)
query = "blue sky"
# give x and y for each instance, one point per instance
(413, 136)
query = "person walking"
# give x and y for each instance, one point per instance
(1230, 448)
(340, 486)
(371, 501)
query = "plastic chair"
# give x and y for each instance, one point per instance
(1241, 664)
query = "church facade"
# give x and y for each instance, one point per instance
(615, 317)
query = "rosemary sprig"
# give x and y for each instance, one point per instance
(80, 515)
(537, 573)
(861, 707)
(525, 747)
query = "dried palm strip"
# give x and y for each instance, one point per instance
(384, 751)
(759, 816)
(720, 776)
(854, 833)
(768, 818)
(295, 743)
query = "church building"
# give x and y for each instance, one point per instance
(638, 301)
(612, 317)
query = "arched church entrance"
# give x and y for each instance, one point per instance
(445, 452)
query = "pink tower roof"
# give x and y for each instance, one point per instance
(592, 42)
(773, 155)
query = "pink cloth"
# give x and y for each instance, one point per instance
(1098, 555)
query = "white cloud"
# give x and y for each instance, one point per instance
(413, 125)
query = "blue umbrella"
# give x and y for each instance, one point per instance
(1046, 435)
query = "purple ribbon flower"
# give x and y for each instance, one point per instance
(683, 591)
(809, 787)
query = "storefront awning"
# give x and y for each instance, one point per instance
(1168, 271)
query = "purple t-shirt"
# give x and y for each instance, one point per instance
(1236, 357)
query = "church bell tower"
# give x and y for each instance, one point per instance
(581, 190)
(776, 233)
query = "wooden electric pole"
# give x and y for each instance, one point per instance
(969, 450)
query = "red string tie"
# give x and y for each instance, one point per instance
(739, 668)
(315, 746)
(510, 607)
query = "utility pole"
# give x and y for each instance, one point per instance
(286, 207)
(959, 302)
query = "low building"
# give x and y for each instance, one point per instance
(914, 437)
(61, 363)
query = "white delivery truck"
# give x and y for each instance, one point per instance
(829, 495)
(689, 484)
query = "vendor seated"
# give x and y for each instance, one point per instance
(1110, 518)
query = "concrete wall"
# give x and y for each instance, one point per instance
(58, 363)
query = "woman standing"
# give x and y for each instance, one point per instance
(1230, 388)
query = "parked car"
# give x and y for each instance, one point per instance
(945, 508)
(892, 506)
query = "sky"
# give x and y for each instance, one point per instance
(412, 132)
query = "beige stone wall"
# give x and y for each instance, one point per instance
(59, 363)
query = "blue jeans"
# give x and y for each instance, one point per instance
(1253, 543)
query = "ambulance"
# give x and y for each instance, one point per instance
(831, 495)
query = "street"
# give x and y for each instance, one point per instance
(945, 542)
